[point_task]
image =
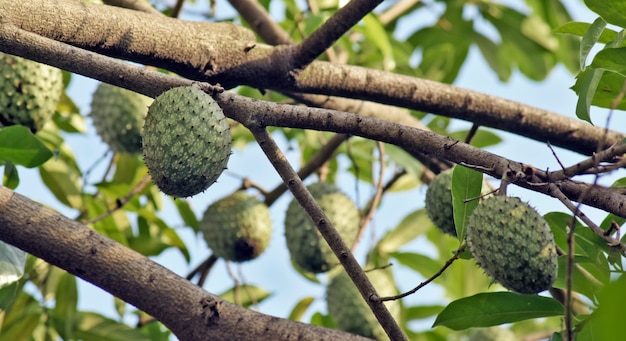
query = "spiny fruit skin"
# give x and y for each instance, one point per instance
(29, 92)
(306, 245)
(349, 310)
(237, 228)
(492, 334)
(118, 115)
(439, 202)
(186, 141)
(513, 244)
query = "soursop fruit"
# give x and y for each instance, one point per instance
(118, 115)
(237, 228)
(29, 92)
(186, 141)
(439, 202)
(513, 244)
(306, 245)
(349, 310)
(492, 334)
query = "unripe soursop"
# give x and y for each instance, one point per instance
(306, 245)
(349, 310)
(186, 141)
(492, 334)
(439, 202)
(118, 115)
(513, 244)
(237, 228)
(29, 92)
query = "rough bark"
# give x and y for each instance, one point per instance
(186, 309)
(227, 54)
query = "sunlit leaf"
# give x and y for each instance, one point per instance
(580, 28)
(482, 138)
(611, 59)
(322, 320)
(186, 213)
(422, 312)
(12, 262)
(300, 308)
(92, 326)
(587, 278)
(11, 177)
(65, 312)
(63, 178)
(492, 309)
(586, 91)
(608, 316)
(424, 265)
(413, 225)
(19, 146)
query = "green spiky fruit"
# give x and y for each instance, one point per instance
(306, 245)
(513, 244)
(349, 310)
(30, 92)
(118, 115)
(492, 334)
(186, 141)
(237, 228)
(439, 202)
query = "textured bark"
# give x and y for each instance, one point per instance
(227, 54)
(186, 309)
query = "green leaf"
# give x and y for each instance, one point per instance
(185, 211)
(300, 308)
(413, 225)
(590, 38)
(8, 293)
(587, 243)
(607, 89)
(12, 262)
(483, 138)
(424, 265)
(11, 177)
(322, 320)
(421, 312)
(587, 90)
(587, 278)
(580, 28)
(95, 327)
(611, 59)
(606, 320)
(62, 177)
(612, 11)
(67, 117)
(466, 187)
(21, 317)
(64, 312)
(375, 34)
(490, 52)
(245, 295)
(21, 147)
(492, 309)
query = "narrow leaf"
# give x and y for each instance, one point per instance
(20, 146)
(587, 91)
(245, 295)
(466, 186)
(590, 39)
(413, 225)
(301, 307)
(492, 309)
(11, 177)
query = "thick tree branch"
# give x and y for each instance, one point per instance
(227, 54)
(254, 13)
(188, 311)
(415, 141)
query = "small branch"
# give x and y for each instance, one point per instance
(325, 153)
(449, 262)
(256, 16)
(203, 269)
(396, 11)
(325, 227)
(178, 7)
(607, 155)
(373, 204)
(327, 34)
(137, 5)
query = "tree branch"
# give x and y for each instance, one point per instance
(414, 141)
(186, 309)
(227, 54)
(325, 227)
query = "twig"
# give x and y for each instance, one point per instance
(373, 204)
(119, 203)
(606, 155)
(325, 153)
(326, 35)
(397, 10)
(325, 227)
(203, 269)
(255, 15)
(138, 5)
(449, 262)
(175, 12)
